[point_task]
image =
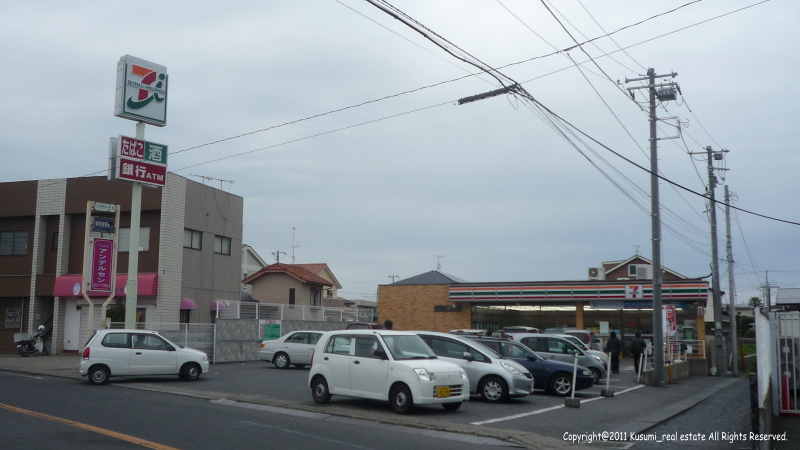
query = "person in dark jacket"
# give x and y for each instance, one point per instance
(614, 345)
(638, 347)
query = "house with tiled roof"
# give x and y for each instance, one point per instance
(288, 284)
(331, 295)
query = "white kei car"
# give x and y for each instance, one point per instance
(292, 348)
(385, 365)
(111, 353)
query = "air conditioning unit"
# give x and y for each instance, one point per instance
(597, 273)
(644, 272)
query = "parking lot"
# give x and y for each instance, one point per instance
(539, 413)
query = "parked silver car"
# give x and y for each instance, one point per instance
(602, 357)
(560, 349)
(492, 376)
(293, 348)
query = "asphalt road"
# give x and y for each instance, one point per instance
(44, 413)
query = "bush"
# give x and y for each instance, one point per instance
(750, 333)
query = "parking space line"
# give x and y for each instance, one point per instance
(544, 410)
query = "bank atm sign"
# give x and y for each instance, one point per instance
(137, 160)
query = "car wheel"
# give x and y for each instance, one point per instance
(595, 374)
(190, 371)
(561, 384)
(451, 406)
(98, 375)
(24, 352)
(319, 390)
(493, 389)
(281, 361)
(401, 399)
(300, 366)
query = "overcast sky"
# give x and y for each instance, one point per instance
(488, 185)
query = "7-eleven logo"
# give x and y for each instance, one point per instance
(633, 292)
(149, 88)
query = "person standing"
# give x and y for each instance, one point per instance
(388, 324)
(614, 345)
(638, 347)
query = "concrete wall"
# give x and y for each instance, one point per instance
(208, 276)
(674, 372)
(412, 307)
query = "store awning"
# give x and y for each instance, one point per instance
(188, 303)
(70, 286)
(220, 305)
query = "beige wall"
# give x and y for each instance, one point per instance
(274, 288)
(411, 307)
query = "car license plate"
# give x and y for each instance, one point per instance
(443, 391)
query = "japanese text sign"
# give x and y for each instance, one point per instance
(670, 320)
(137, 160)
(102, 260)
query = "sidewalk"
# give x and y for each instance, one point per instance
(687, 394)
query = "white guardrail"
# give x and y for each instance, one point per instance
(230, 309)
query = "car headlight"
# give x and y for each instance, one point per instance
(205, 357)
(587, 372)
(510, 368)
(463, 374)
(423, 374)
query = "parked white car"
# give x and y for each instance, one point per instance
(385, 365)
(293, 348)
(602, 357)
(112, 353)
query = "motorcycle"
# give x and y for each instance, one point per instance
(31, 343)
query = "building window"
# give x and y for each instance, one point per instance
(125, 239)
(329, 293)
(192, 239)
(54, 244)
(13, 243)
(185, 315)
(632, 270)
(291, 296)
(222, 245)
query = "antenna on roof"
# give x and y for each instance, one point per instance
(293, 246)
(204, 177)
(637, 250)
(438, 262)
(278, 256)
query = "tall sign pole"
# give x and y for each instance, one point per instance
(141, 96)
(665, 93)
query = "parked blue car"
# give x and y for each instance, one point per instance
(552, 376)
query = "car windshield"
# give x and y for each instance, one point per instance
(486, 350)
(575, 341)
(403, 347)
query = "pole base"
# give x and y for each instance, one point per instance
(572, 402)
(607, 392)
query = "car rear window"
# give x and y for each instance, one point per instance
(117, 340)
(339, 345)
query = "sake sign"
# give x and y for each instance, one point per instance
(133, 159)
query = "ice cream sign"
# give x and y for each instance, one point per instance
(141, 91)
(137, 160)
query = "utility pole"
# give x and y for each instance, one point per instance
(719, 340)
(731, 287)
(278, 256)
(393, 277)
(666, 92)
(293, 246)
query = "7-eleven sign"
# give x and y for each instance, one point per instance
(634, 292)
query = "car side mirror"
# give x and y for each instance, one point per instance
(467, 356)
(381, 354)
(532, 357)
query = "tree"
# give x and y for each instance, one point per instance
(755, 302)
(116, 313)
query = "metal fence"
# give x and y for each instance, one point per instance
(786, 365)
(230, 309)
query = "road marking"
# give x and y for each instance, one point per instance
(113, 434)
(552, 408)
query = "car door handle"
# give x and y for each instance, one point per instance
(325, 358)
(138, 353)
(552, 357)
(356, 362)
